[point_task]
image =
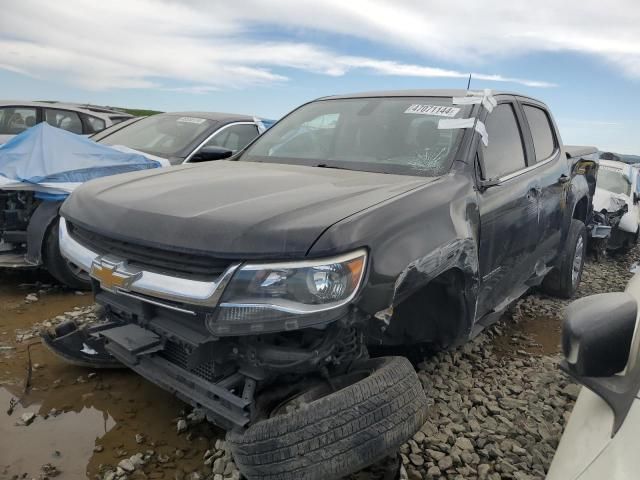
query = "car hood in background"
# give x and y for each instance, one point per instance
(233, 209)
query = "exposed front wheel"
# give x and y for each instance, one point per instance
(335, 428)
(59, 267)
(563, 280)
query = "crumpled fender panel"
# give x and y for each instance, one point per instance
(411, 240)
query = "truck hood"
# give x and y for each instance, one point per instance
(233, 209)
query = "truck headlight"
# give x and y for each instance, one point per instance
(269, 297)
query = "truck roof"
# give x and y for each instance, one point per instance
(421, 93)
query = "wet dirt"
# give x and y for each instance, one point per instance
(539, 335)
(85, 419)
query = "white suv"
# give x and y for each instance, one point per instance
(618, 185)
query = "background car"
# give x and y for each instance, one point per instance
(16, 117)
(601, 345)
(165, 138)
(618, 186)
(186, 136)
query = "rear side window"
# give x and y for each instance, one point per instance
(95, 124)
(505, 153)
(15, 120)
(64, 119)
(541, 132)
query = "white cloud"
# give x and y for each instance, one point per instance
(204, 46)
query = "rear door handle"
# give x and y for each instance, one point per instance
(564, 179)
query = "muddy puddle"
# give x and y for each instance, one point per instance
(538, 335)
(84, 419)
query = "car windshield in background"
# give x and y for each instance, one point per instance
(613, 181)
(387, 134)
(161, 135)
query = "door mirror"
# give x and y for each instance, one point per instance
(206, 154)
(597, 334)
(636, 197)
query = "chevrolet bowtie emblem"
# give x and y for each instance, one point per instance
(113, 274)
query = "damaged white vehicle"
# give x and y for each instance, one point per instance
(618, 189)
(601, 345)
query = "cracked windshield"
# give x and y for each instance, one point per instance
(390, 135)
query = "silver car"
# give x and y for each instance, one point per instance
(17, 116)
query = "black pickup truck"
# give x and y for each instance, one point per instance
(267, 289)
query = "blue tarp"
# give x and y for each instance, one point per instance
(47, 155)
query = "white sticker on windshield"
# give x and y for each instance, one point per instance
(437, 110)
(191, 120)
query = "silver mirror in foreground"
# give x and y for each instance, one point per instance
(597, 338)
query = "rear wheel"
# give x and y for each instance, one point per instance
(563, 280)
(333, 429)
(59, 267)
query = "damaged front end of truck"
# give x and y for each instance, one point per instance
(256, 368)
(195, 339)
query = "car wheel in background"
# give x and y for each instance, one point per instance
(335, 427)
(564, 279)
(59, 267)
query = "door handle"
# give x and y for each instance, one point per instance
(564, 179)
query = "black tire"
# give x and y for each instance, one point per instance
(629, 242)
(561, 281)
(59, 267)
(339, 433)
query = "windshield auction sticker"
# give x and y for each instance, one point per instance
(191, 120)
(437, 110)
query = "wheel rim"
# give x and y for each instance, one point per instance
(577, 261)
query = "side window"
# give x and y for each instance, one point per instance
(63, 119)
(15, 120)
(95, 124)
(540, 126)
(234, 137)
(505, 153)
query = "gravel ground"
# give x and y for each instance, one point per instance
(498, 405)
(500, 402)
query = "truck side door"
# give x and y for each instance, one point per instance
(508, 206)
(552, 171)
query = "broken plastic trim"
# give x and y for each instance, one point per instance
(80, 346)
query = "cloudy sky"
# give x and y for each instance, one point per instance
(265, 57)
